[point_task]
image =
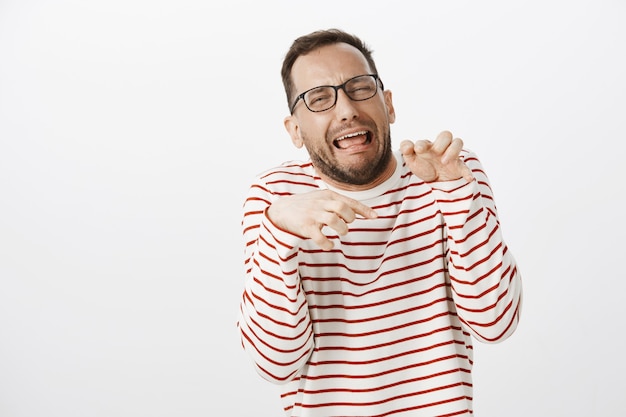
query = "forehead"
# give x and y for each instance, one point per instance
(328, 65)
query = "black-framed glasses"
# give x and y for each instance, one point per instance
(324, 97)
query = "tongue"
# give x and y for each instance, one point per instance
(353, 141)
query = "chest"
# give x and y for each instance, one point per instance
(400, 252)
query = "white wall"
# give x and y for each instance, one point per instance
(129, 132)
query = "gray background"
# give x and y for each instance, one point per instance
(129, 131)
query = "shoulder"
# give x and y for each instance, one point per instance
(290, 177)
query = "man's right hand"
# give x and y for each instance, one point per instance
(306, 214)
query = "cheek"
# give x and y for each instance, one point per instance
(313, 130)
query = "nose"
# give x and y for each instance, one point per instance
(345, 108)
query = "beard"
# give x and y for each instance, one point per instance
(367, 171)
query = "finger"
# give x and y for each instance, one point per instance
(442, 142)
(341, 210)
(334, 221)
(422, 146)
(453, 151)
(354, 207)
(445, 134)
(320, 239)
(407, 148)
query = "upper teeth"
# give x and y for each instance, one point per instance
(351, 135)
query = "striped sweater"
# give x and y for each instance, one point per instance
(382, 324)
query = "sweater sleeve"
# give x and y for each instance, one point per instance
(486, 283)
(274, 321)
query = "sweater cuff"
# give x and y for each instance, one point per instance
(459, 186)
(285, 242)
(455, 198)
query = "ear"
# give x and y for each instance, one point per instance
(391, 113)
(293, 128)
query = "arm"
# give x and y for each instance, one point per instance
(486, 284)
(274, 323)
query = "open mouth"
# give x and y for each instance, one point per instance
(353, 139)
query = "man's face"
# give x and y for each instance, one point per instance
(349, 144)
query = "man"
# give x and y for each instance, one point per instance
(369, 271)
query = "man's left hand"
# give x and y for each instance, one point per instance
(436, 161)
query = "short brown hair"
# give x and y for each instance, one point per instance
(308, 43)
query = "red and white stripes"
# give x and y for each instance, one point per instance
(381, 325)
